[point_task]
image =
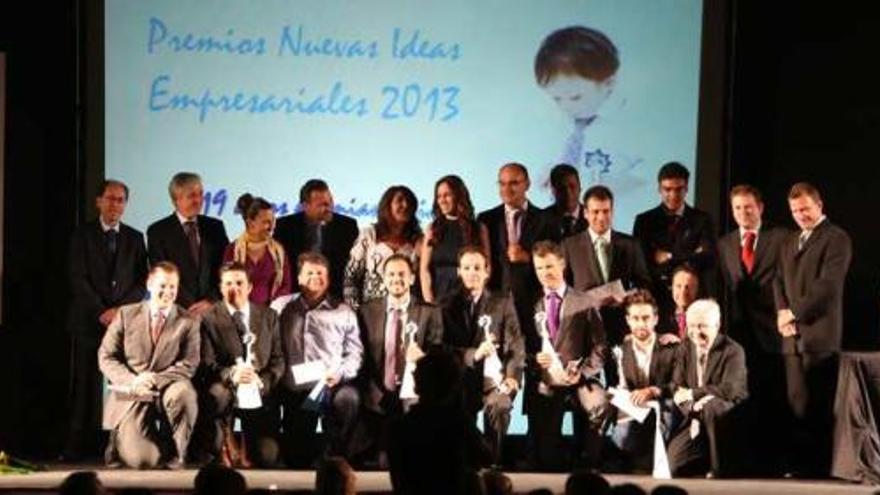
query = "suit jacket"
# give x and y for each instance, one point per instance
(661, 372)
(338, 237)
(751, 305)
(556, 220)
(332, 316)
(463, 335)
(581, 334)
(96, 282)
(627, 265)
(518, 278)
(372, 319)
(221, 345)
(810, 283)
(725, 375)
(695, 232)
(127, 350)
(199, 279)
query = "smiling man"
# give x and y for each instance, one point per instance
(809, 301)
(149, 354)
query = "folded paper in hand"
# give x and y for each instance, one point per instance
(126, 392)
(622, 399)
(307, 373)
(611, 290)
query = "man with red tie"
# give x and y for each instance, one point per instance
(749, 257)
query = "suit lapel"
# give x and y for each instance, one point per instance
(228, 332)
(630, 368)
(733, 258)
(566, 321)
(714, 358)
(140, 324)
(590, 259)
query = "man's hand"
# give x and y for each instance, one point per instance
(200, 307)
(661, 256)
(107, 316)
(244, 373)
(784, 317)
(484, 350)
(641, 396)
(516, 254)
(683, 395)
(413, 353)
(331, 379)
(509, 386)
(789, 330)
(143, 383)
(573, 376)
(544, 360)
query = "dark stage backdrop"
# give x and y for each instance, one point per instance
(800, 104)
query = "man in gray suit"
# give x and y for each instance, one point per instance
(149, 354)
(809, 302)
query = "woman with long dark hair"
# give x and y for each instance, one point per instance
(453, 228)
(265, 259)
(396, 230)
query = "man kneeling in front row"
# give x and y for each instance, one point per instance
(149, 354)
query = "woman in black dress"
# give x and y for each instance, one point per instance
(453, 228)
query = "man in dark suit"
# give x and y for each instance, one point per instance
(318, 328)
(192, 241)
(565, 215)
(749, 258)
(107, 268)
(674, 233)
(317, 228)
(389, 346)
(711, 382)
(241, 354)
(149, 354)
(482, 328)
(647, 370)
(601, 255)
(565, 353)
(809, 301)
(514, 226)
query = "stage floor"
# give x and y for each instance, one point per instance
(378, 482)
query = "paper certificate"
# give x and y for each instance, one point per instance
(306, 373)
(622, 399)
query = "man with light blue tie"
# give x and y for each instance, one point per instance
(565, 354)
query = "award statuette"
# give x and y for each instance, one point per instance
(492, 367)
(555, 375)
(247, 395)
(408, 385)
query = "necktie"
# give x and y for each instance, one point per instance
(112, 242)
(802, 239)
(513, 228)
(392, 348)
(702, 358)
(553, 303)
(192, 237)
(682, 325)
(574, 145)
(748, 251)
(674, 222)
(602, 256)
(319, 237)
(156, 328)
(238, 319)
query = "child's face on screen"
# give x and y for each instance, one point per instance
(578, 97)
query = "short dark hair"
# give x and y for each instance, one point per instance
(686, 268)
(600, 193)
(311, 186)
(399, 257)
(543, 248)
(234, 266)
(559, 172)
(110, 183)
(577, 50)
(804, 189)
(640, 296)
(313, 257)
(518, 166)
(673, 170)
(746, 190)
(165, 266)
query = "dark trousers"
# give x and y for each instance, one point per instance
(768, 414)
(86, 399)
(545, 414)
(811, 382)
(298, 438)
(711, 449)
(259, 427)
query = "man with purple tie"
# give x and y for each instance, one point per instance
(565, 354)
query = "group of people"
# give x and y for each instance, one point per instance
(308, 318)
